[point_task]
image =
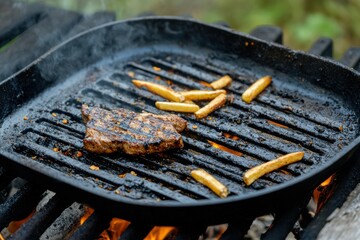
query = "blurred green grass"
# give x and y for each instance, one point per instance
(303, 21)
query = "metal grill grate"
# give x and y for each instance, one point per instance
(274, 124)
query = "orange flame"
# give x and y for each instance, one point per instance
(277, 124)
(15, 225)
(86, 215)
(116, 228)
(323, 192)
(1, 237)
(226, 149)
(159, 233)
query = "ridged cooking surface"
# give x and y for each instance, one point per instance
(279, 121)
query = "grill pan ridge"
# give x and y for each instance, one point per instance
(306, 108)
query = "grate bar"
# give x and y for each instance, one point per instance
(268, 33)
(285, 220)
(66, 223)
(190, 232)
(20, 204)
(351, 58)
(5, 178)
(16, 20)
(52, 18)
(237, 230)
(42, 219)
(136, 232)
(322, 47)
(92, 227)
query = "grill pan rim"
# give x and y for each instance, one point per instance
(329, 165)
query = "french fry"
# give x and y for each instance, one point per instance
(216, 103)
(254, 173)
(177, 107)
(209, 181)
(160, 90)
(221, 82)
(201, 94)
(256, 88)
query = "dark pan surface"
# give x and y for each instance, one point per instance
(311, 106)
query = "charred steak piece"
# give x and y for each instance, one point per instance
(133, 133)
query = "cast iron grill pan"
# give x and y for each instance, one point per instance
(311, 106)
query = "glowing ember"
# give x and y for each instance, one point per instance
(15, 225)
(327, 181)
(116, 228)
(227, 135)
(159, 233)
(226, 149)
(156, 68)
(95, 168)
(284, 171)
(323, 192)
(87, 214)
(277, 124)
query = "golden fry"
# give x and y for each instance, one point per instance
(177, 107)
(208, 180)
(201, 94)
(160, 90)
(256, 88)
(216, 103)
(221, 82)
(254, 173)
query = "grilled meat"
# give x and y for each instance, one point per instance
(133, 133)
